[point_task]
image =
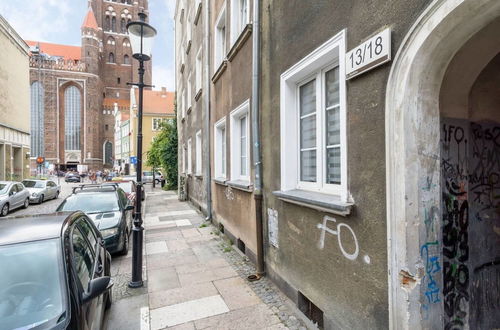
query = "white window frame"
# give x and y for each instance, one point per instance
(199, 71)
(236, 115)
(220, 149)
(198, 155)
(189, 157)
(220, 41)
(237, 25)
(189, 103)
(158, 120)
(327, 56)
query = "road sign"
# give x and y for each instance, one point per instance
(133, 160)
(40, 160)
(370, 54)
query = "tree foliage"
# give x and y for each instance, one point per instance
(163, 152)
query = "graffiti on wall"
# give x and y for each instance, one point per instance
(470, 169)
(341, 227)
(455, 223)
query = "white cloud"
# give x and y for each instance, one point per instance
(163, 77)
(37, 19)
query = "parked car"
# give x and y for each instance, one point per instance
(129, 187)
(55, 273)
(108, 206)
(12, 196)
(42, 190)
(147, 177)
(73, 177)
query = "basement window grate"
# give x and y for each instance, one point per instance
(310, 310)
(241, 246)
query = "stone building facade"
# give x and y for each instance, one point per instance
(14, 105)
(380, 159)
(73, 88)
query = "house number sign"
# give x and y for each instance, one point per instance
(370, 54)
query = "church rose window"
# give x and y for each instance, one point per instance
(72, 118)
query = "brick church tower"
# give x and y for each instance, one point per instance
(76, 91)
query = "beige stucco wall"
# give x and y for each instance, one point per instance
(14, 80)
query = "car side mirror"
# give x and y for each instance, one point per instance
(129, 208)
(97, 287)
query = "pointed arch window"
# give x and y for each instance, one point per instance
(72, 118)
(113, 24)
(123, 25)
(37, 122)
(108, 24)
(111, 58)
(126, 59)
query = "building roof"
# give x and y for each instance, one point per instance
(110, 102)
(125, 116)
(89, 21)
(157, 102)
(64, 51)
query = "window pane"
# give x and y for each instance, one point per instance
(308, 132)
(333, 165)
(243, 146)
(332, 87)
(83, 258)
(223, 149)
(308, 98)
(308, 165)
(333, 126)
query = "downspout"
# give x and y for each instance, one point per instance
(206, 97)
(256, 139)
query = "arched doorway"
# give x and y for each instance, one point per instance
(421, 295)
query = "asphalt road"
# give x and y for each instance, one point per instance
(50, 205)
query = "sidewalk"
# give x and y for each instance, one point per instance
(193, 278)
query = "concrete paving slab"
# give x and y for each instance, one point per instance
(183, 222)
(185, 326)
(182, 212)
(174, 260)
(178, 244)
(125, 314)
(236, 293)
(162, 279)
(186, 312)
(156, 247)
(206, 276)
(252, 317)
(164, 298)
(193, 232)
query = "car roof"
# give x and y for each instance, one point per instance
(8, 182)
(29, 228)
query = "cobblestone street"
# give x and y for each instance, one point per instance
(194, 279)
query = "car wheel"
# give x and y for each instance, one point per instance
(5, 210)
(124, 251)
(40, 199)
(57, 195)
(109, 299)
(26, 203)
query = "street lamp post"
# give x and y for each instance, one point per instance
(141, 39)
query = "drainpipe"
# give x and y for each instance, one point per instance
(256, 139)
(206, 96)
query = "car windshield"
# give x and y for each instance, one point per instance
(33, 184)
(126, 186)
(33, 291)
(3, 188)
(91, 202)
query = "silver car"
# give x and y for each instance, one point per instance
(42, 190)
(12, 196)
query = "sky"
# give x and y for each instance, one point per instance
(59, 21)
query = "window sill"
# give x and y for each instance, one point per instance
(197, 96)
(198, 14)
(221, 181)
(220, 71)
(189, 110)
(188, 47)
(238, 44)
(318, 201)
(241, 185)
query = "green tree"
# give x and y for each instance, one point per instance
(163, 152)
